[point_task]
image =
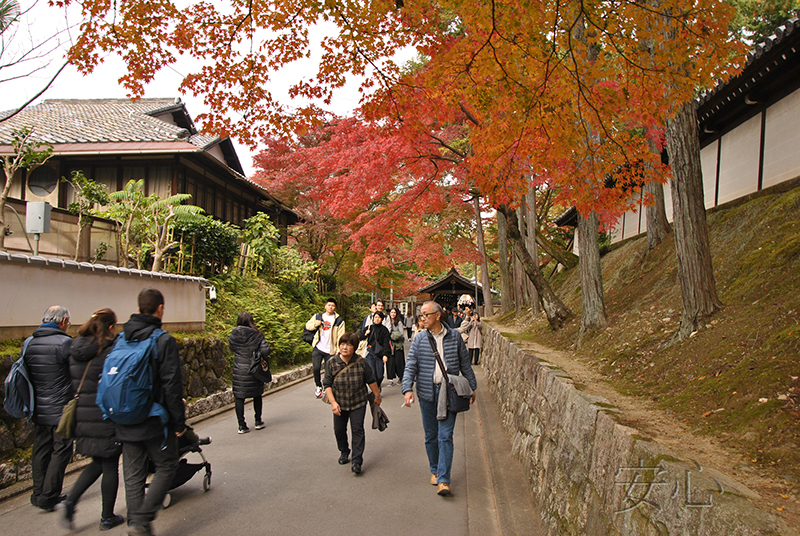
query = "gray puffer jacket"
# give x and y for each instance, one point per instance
(243, 342)
(47, 358)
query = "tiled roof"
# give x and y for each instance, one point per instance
(102, 121)
(781, 33)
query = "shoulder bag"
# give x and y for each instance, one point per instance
(325, 392)
(455, 403)
(259, 367)
(68, 420)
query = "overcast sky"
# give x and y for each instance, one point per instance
(102, 83)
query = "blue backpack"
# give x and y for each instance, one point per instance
(125, 390)
(19, 400)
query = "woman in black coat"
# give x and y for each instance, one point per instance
(245, 339)
(378, 347)
(94, 436)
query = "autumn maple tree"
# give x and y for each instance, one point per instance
(505, 95)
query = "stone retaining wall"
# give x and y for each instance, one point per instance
(592, 475)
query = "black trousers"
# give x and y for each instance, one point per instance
(474, 354)
(257, 405)
(51, 454)
(142, 508)
(356, 419)
(396, 365)
(109, 468)
(317, 357)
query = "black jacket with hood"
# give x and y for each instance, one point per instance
(47, 359)
(167, 382)
(93, 435)
(243, 342)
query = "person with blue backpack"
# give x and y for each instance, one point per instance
(46, 357)
(149, 430)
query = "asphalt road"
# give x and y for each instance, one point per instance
(285, 479)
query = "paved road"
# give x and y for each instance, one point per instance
(285, 479)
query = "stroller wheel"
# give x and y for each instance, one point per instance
(167, 500)
(206, 481)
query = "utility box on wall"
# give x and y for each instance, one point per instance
(37, 217)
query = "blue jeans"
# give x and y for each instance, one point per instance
(438, 438)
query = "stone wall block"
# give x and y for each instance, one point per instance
(592, 475)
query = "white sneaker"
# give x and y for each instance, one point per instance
(318, 392)
(391, 383)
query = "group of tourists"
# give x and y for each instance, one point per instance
(61, 368)
(355, 363)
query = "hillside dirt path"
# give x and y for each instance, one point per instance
(668, 430)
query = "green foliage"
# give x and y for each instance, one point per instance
(279, 314)
(144, 222)
(87, 194)
(9, 11)
(757, 19)
(261, 236)
(213, 244)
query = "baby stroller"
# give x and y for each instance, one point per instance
(187, 470)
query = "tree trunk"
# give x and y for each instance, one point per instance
(485, 282)
(567, 258)
(695, 272)
(593, 314)
(656, 213)
(506, 298)
(657, 225)
(531, 226)
(3, 197)
(557, 313)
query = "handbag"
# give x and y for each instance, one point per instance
(325, 392)
(68, 420)
(259, 367)
(455, 402)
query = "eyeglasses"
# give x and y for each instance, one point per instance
(426, 315)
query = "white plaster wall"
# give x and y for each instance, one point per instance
(708, 162)
(738, 166)
(29, 288)
(782, 141)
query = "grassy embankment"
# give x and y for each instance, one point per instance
(737, 377)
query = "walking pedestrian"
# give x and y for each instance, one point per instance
(146, 441)
(409, 321)
(474, 337)
(94, 436)
(397, 361)
(377, 337)
(423, 368)
(244, 341)
(47, 358)
(346, 374)
(329, 327)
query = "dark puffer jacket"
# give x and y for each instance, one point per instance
(93, 435)
(47, 358)
(243, 342)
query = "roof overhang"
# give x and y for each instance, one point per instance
(77, 149)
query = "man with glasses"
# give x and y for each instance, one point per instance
(47, 360)
(422, 367)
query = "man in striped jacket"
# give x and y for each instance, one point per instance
(422, 368)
